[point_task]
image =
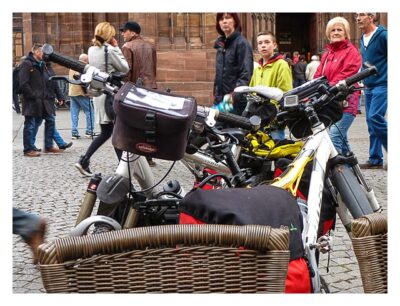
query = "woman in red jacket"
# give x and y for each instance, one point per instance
(341, 60)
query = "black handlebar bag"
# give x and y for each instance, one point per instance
(152, 123)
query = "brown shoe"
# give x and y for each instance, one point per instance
(369, 165)
(53, 150)
(32, 154)
(37, 239)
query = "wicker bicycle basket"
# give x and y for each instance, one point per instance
(171, 258)
(370, 246)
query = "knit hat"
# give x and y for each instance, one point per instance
(132, 26)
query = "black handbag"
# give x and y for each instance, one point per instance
(109, 106)
(109, 102)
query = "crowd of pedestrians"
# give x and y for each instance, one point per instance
(235, 66)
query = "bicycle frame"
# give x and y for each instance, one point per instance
(320, 148)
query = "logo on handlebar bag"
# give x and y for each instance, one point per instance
(145, 147)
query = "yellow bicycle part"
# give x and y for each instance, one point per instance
(264, 146)
(290, 179)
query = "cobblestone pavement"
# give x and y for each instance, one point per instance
(51, 186)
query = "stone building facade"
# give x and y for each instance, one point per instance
(184, 41)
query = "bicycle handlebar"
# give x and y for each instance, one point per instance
(235, 120)
(361, 75)
(63, 60)
(210, 114)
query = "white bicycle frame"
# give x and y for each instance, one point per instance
(319, 148)
(137, 166)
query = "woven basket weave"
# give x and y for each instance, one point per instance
(370, 246)
(169, 258)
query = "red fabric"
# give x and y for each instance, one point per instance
(188, 219)
(298, 277)
(274, 58)
(342, 61)
(328, 225)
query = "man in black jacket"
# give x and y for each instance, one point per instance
(35, 106)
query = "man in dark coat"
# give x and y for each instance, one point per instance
(35, 106)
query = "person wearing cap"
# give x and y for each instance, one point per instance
(373, 48)
(142, 59)
(140, 55)
(312, 67)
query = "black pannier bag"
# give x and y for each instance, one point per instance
(264, 205)
(152, 123)
(330, 113)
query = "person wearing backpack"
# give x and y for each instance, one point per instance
(16, 89)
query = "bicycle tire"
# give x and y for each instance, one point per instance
(351, 192)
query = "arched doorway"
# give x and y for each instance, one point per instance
(296, 32)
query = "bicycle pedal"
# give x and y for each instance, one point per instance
(325, 244)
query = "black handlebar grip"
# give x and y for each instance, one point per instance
(65, 61)
(361, 75)
(235, 120)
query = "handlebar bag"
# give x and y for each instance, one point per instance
(152, 123)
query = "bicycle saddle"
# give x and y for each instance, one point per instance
(267, 92)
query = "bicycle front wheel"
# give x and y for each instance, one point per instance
(351, 191)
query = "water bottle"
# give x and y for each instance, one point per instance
(225, 105)
(173, 186)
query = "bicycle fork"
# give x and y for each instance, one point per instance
(112, 190)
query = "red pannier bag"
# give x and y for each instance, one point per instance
(264, 205)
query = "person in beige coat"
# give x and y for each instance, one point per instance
(312, 67)
(103, 41)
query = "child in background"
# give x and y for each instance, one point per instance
(273, 70)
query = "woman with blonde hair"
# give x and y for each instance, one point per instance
(341, 60)
(106, 56)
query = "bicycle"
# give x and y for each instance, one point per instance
(341, 174)
(317, 147)
(115, 192)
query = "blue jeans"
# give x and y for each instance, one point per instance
(84, 103)
(49, 127)
(24, 224)
(375, 109)
(57, 137)
(31, 125)
(338, 133)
